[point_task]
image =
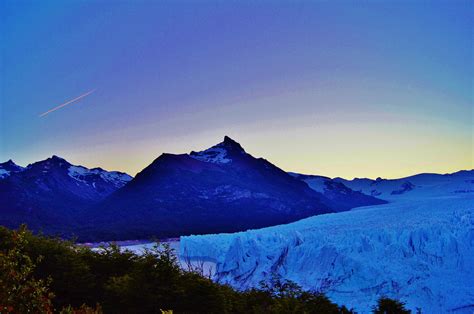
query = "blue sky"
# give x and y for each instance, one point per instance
(344, 88)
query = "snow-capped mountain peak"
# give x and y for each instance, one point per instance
(83, 174)
(60, 168)
(8, 167)
(49, 164)
(220, 153)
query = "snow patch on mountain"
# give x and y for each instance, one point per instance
(342, 197)
(318, 184)
(215, 154)
(9, 167)
(4, 173)
(221, 153)
(115, 177)
(79, 173)
(414, 187)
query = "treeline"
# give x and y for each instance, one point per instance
(40, 274)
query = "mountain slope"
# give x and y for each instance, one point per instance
(342, 197)
(49, 194)
(221, 189)
(9, 167)
(414, 187)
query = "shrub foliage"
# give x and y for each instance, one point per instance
(41, 274)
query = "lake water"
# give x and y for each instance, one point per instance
(206, 267)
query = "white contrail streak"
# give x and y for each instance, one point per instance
(67, 103)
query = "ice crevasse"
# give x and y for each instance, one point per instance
(420, 252)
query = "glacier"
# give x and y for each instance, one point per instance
(418, 249)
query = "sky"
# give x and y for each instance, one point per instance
(339, 88)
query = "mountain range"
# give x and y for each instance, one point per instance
(220, 189)
(49, 195)
(414, 187)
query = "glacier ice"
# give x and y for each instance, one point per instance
(418, 249)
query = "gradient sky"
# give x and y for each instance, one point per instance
(344, 88)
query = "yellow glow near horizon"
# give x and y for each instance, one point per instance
(337, 138)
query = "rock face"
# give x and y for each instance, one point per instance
(49, 195)
(419, 249)
(220, 189)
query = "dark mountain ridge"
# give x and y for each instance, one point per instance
(220, 189)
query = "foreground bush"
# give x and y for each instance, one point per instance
(389, 306)
(55, 275)
(19, 291)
